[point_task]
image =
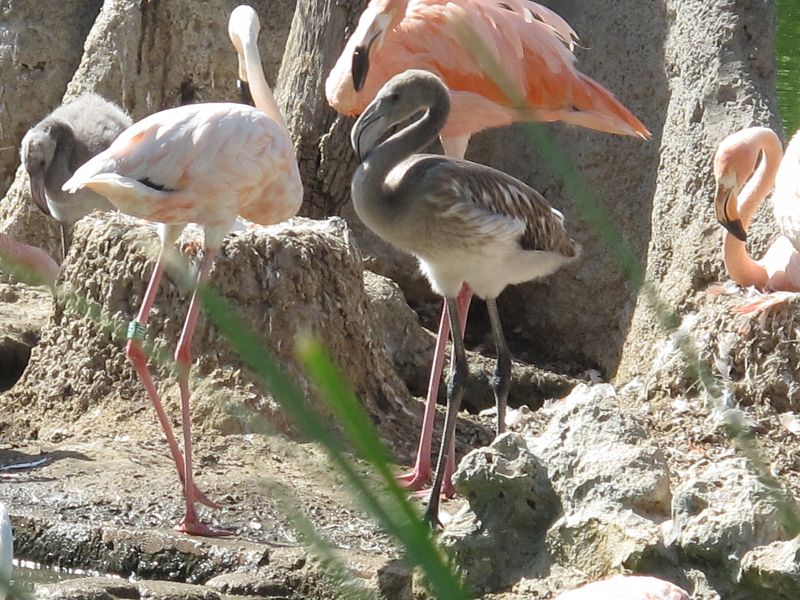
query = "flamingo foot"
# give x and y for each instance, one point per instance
(448, 491)
(416, 479)
(197, 527)
(204, 500)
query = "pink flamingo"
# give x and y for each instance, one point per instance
(622, 587)
(204, 164)
(32, 265)
(533, 44)
(740, 172)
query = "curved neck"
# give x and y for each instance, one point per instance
(259, 88)
(409, 140)
(738, 263)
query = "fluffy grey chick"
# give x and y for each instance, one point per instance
(60, 143)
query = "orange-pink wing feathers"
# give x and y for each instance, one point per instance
(32, 264)
(532, 44)
(202, 163)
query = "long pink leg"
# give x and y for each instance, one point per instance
(421, 474)
(183, 357)
(138, 358)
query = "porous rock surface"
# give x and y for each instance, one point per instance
(624, 518)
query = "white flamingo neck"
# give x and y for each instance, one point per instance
(259, 88)
(738, 263)
(763, 180)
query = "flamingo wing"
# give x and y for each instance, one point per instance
(189, 164)
(621, 587)
(531, 43)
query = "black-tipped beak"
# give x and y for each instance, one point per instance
(244, 92)
(360, 66)
(38, 194)
(737, 229)
(727, 212)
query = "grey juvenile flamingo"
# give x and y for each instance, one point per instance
(465, 222)
(56, 146)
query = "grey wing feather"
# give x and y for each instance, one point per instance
(499, 195)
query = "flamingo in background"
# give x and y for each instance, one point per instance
(627, 587)
(204, 164)
(532, 43)
(746, 164)
(29, 263)
(465, 222)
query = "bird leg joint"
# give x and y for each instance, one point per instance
(136, 330)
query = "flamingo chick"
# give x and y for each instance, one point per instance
(57, 145)
(465, 222)
(532, 43)
(622, 587)
(204, 164)
(745, 168)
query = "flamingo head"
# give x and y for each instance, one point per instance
(243, 28)
(378, 18)
(735, 162)
(401, 98)
(37, 151)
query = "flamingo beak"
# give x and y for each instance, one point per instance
(374, 33)
(368, 130)
(727, 212)
(38, 194)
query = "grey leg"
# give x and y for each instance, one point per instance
(65, 240)
(459, 372)
(502, 374)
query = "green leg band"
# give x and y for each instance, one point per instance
(136, 330)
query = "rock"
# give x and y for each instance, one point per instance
(720, 68)
(40, 47)
(395, 581)
(511, 505)
(722, 513)
(773, 571)
(597, 452)
(169, 590)
(248, 584)
(107, 588)
(411, 347)
(754, 357)
(597, 540)
(285, 280)
(88, 588)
